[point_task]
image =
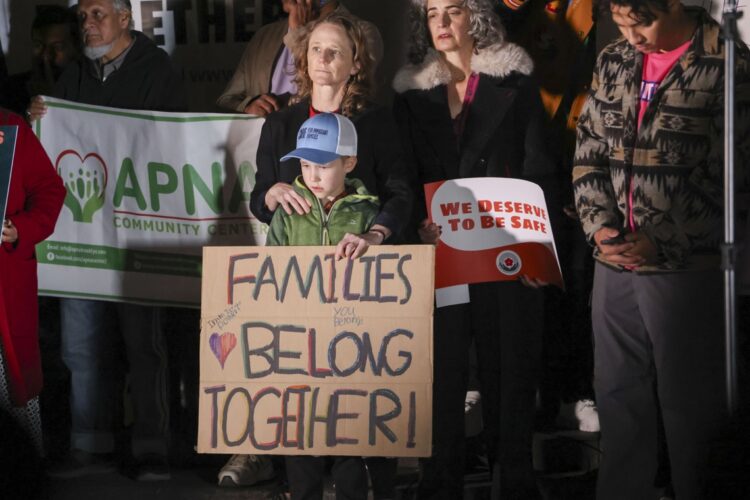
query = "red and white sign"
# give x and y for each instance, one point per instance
(493, 229)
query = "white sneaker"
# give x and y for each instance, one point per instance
(587, 415)
(245, 470)
(581, 414)
(472, 399)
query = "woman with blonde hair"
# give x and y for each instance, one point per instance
(467, 107)
(335, 73)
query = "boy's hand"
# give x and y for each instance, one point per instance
(284, 194)
(352, 246)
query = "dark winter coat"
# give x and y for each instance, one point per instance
(504, 133)
(146, 80)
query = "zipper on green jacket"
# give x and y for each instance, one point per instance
(324, 238)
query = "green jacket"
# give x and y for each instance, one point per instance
(353, 213)
(668, 173)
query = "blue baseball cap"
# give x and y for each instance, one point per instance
(324, 138)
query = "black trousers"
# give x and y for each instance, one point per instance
(658, 348)
(306, 475)
(568, 351)
(506, 321)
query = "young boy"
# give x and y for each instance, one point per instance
(327, 150)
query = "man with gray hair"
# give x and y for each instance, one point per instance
(122, 69)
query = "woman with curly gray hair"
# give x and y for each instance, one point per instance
(467, 107)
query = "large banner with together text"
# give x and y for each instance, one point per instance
(307, 355)
(146, 192)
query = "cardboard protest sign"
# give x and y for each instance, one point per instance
(146, 191)
(493, 229)
(305, 355)
(7, 152)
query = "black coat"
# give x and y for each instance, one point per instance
(146, 80)
(503, 137)
(380, 163)
(504, 134)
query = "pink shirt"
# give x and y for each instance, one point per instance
(655, 68)
(459, 122)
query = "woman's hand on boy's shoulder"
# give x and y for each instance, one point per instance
(290, 200)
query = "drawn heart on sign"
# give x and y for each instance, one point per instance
(222, 345)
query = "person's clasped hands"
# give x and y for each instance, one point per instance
(628, 250)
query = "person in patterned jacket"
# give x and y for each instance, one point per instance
(647, 178)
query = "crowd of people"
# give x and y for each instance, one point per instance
(627, 147)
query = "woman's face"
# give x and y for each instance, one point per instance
(330, 56)
(448, 21)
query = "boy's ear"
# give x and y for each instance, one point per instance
(349, 163)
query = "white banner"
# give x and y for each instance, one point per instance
(146, 192)
(493, 229)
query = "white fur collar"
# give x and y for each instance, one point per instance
(498, 60)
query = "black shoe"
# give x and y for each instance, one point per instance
(152, 467)
(80, 463)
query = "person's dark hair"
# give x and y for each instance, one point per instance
(361, 86)
(52, 15)
(485, 27)
(643, 10)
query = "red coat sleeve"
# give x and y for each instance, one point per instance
(42, 188)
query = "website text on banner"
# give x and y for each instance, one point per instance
(146, 192)
(302, 354)
(493, 229)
